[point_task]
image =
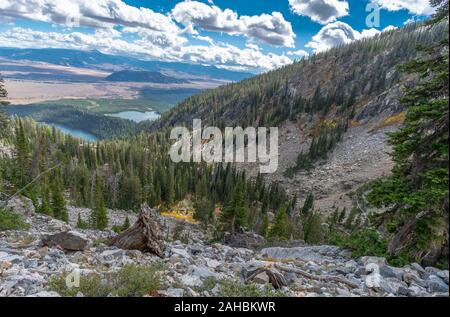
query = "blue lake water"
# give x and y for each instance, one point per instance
(136, 116)
(76, 133)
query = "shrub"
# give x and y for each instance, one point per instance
(136, 281)
(11, 221)
(90, 286)
(130, 281)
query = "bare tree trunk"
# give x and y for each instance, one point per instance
(144, 235)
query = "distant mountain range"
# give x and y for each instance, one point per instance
(98, 60)
(143, 77)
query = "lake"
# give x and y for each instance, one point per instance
(136, 116)
(76, 133)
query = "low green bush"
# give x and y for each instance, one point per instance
(11, 221)
(130, 281)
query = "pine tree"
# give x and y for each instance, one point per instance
(81, 224)
(282, 226)
(58, 203)
(22, 155)
(308, 205)
(4, 120)
(203, 211)
(265, 226)
(45, 207)
(126, 224)
(99, 216)
(234, 213)
(418, 187)
(313, 232)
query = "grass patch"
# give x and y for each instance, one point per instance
(130, 281)
(11, 221)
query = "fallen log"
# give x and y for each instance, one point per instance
(145, 235)
(275, 278)
(333, 278)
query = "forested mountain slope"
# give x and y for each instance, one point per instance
(335, 111)
(332, 109)
(338, 82)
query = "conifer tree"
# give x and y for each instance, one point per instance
(234, 213)
(22, 155)
(81, 224)
(99, 216)
(265, 226)
(58, 203)
(203, 211)
(4, 120)
(308, 205)
(418, 187)
(282, 226)
(45, 207)
(126, 224)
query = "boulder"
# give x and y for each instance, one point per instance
(69, 240)
(21, 205)
(201, 272)
(261, 278)
(436, 285)
(317, 254)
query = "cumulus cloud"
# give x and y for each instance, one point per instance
(339, 33)
(98, 13)
(220, 55)
(299, 53)
(321, 11)
(268, 28)
(418, 7)
(150, 35)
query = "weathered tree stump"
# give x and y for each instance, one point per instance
(144, 235)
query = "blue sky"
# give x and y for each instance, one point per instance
(250, 35)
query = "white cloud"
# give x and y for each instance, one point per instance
(91, 13)
(418, 7)
(150, 35)
(220, 55)
(268, 28)
(321, 11)
(339, 33)
(299, 53)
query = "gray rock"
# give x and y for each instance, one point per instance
(436, 285)
(392, 285)
(418, 268)
(69, 240)
(21, 205)
(191, 281)
(181, 252)
(443, 275)
(175, 292)
(387, 271)
(366, 260)
(261, 278)
(309, 253)
(412, 276)
(201, 272)
(45, 294)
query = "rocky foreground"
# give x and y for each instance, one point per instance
(29, 259)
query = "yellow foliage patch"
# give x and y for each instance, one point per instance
(182, 210)
(353, 123)
(392, 120)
